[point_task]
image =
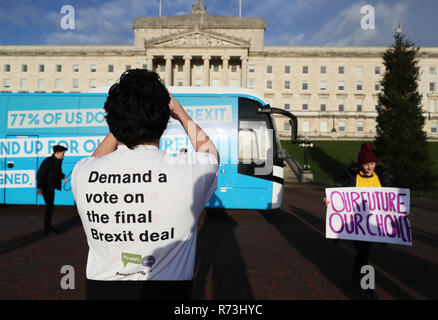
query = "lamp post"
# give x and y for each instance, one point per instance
(306, 144)
(333, 129)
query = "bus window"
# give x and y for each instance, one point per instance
(248, 150)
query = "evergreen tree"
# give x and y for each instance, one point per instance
(400, 140)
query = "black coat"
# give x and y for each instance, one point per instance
(50, 174)
(349, 177)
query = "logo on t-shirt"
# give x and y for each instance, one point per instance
(147, 261)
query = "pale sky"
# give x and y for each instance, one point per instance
(289, 22)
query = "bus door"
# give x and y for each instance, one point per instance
(260, 166)
(19, 175)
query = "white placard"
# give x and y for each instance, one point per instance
(369, 214)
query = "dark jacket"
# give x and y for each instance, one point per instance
(349, 177)
(50, 174)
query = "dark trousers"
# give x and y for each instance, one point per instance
(362, 256)
(49, 198)
(138, 290)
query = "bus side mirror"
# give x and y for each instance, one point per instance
(293, 130)
(293, 119)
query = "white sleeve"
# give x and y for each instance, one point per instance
(74, 175)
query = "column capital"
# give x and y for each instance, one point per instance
(186, 57)
(225, 58)
(206, 57)
(168, 57)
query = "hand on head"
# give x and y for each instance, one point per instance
(176, 110)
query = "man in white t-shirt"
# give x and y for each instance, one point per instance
(140, 206)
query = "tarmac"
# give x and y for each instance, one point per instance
(242, 254)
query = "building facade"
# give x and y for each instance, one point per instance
(332, 90)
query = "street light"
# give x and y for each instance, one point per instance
(306, 143)
(333, 129)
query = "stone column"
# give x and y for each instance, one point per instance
(168, 79)
(225, 60)
(150, 62)
(244, 72)
(187, 70)
(206, 81)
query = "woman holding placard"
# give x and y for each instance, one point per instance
(363, 174)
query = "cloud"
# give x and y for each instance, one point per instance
(20, 22)
(108, 23)
(290, 19)
(289, 22)
(69, 38)
(344, 29)
(297, 40)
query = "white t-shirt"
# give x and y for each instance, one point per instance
(140, 208)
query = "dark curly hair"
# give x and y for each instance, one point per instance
(137, 107)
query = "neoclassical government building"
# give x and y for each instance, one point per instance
(332, 90)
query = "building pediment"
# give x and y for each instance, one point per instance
(197, 38)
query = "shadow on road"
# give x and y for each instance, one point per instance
(412, 270)
(426, 237)
(334, 263)
(219, 257)
(27, 239)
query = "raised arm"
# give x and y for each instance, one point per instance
(199, 139)
(108, 145)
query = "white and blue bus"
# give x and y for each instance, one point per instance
(237, 120)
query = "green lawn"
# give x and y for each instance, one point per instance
(328, 159)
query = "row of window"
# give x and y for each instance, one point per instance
(323, 85)
(341, 126)
(322, 69)
(214, 83)
(110, 68)
(41, 83)
(433, 105)
(92, 84)
(59, 68)
(323, 126)
(323, 105)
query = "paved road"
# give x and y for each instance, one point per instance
(281, 254)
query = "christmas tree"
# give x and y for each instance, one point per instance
(401, 140)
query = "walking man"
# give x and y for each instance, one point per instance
(49, 178)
